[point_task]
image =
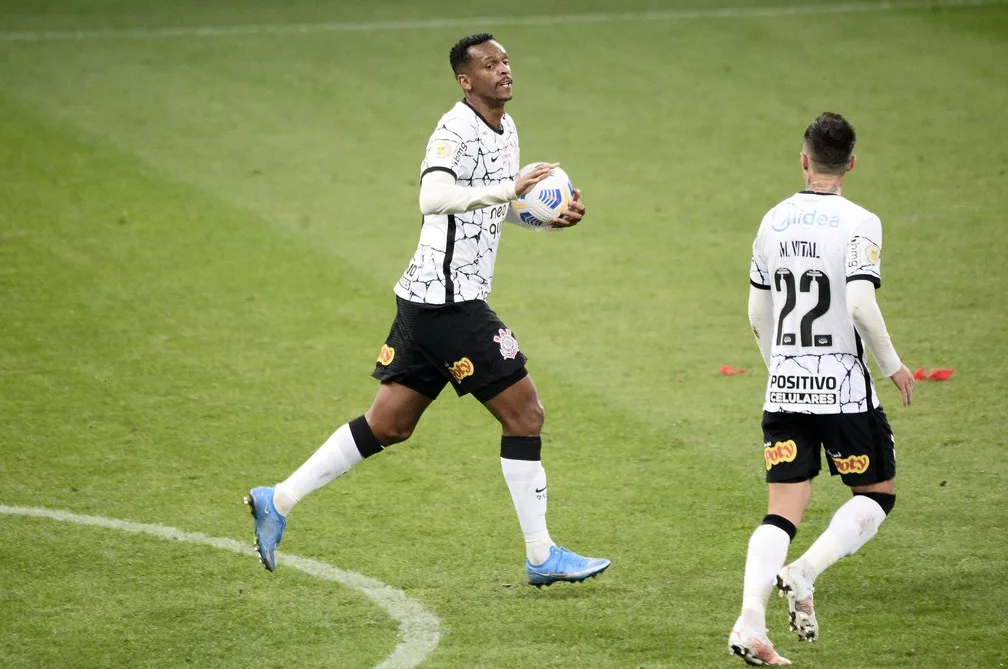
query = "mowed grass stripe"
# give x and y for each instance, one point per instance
(573, 18)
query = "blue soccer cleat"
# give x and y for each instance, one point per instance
(564, 565)
(269, 524)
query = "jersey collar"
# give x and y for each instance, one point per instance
(499, 131)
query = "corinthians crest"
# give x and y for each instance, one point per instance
(508, 343)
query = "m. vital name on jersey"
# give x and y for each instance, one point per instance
(783, 387)
(798, 249)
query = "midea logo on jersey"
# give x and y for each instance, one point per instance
(803, 217)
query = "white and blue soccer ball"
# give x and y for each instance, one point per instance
(537, 208)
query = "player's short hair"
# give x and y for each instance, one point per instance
(459, 54)
(829, 142)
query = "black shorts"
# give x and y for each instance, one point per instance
(859, 446)
(464, 344)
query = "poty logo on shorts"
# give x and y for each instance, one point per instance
(462, 369)
(781, 451)
(508, 344)
(852, 464)
(386, 354)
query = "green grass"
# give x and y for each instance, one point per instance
(198, 241)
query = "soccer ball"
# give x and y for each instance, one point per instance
(547, 199)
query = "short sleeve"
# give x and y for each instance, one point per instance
(445, 149)
(759, 275)
(864, 252)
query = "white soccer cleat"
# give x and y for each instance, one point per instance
(754, 649)
(798, 591)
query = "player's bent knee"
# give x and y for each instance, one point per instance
(538, 415)
(391, 432)
(528, 423)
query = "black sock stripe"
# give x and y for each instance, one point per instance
(521, 448)
(781, 522)
(884, 499)
(364, 438)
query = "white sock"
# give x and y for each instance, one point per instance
(333, 458)
(852, 526)
(526, 479)
(768, 548)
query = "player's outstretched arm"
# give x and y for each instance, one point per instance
(867, 318)
(439, 194)
(761, 320)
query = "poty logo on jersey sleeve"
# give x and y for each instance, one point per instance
(781, 451)
(386, 354)
(508, 343)
(852, 464)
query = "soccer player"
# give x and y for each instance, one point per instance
(444, 331)
(815, 268)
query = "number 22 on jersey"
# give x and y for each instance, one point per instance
(816, 302)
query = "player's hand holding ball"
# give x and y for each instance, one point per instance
(546, 198)
(530, 176)
(572, 215)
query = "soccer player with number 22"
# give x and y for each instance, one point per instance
(816, 264)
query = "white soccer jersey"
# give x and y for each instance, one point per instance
(808, 247)
(454, 261)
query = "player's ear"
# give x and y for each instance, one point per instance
(804, 162)
(850, 165)
(464, 81)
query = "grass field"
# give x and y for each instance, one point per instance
(200, 228)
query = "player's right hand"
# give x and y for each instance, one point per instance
(904, 380)
(526, 181)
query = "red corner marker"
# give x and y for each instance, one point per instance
(935, 375)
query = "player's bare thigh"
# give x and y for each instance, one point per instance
(789, 500)
(395, 412)
(518, 409)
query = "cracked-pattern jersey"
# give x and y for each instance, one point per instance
(808, 247)
(454, 261)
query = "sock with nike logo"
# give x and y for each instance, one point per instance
(526, 479)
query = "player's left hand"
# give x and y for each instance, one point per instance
(572, 215)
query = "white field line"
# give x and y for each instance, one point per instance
(491, 21)
(419, 630)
